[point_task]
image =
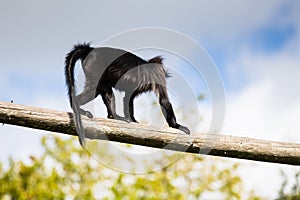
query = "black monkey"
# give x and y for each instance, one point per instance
(106, 68)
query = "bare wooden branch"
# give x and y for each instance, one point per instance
(171, 139)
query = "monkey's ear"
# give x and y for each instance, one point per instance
(157, 59)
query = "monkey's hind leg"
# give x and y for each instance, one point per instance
(108, 98)
(128, 106)
(86, 96)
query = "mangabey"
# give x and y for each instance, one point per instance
(106, 68)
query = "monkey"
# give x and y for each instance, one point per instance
(106, 68)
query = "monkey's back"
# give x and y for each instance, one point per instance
(123, 70)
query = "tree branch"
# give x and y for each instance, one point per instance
(171, 139)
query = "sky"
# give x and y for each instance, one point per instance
(255, 46)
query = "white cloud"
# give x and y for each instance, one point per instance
(268, 107)
(252, 113)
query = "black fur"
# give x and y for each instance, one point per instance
(79, 51)
(106, 68)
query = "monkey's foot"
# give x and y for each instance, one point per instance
(88, 114)
(134, 120)
(118, 117)
(184, 129)
(125, 119)
(129, 119)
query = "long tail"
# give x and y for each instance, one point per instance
(79, 51)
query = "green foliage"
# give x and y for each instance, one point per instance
(54, 175)
(66, 171)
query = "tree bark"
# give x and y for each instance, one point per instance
(170, 139)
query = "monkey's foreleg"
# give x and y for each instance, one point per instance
(168, 111)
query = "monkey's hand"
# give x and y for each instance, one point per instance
(184, 129)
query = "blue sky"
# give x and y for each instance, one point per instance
(255, 45)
